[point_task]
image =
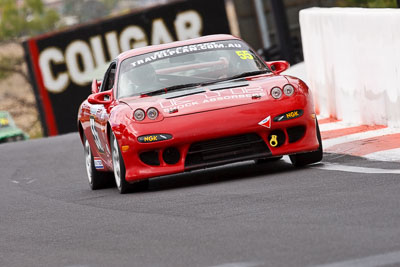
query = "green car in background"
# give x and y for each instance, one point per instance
(9, 132)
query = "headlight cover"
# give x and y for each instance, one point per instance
(288, 90)
(276, 92)
(139, 114)
(152, 113)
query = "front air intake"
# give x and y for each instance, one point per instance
(150, 158)
(296, 133)
(226, 150)
(171, 155)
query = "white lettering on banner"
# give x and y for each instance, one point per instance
(112, 43)
(82, 58)
(160, 34)
(55, 84)
(188, 25)
(75, 50)
(98, 51)
(132, 37)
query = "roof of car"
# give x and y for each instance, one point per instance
(151, 48)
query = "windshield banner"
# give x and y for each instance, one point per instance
(147, 58)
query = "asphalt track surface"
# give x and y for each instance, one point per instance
(238, 215)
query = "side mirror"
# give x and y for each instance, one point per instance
(278, 66)
(100, 98)
(95, 86)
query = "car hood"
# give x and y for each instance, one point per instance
(211, 97)
(10, 131)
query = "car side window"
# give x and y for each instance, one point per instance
(109, 78)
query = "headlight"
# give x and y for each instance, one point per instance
(288, 89)
(152, 113)
(139, 115)
(276, 92)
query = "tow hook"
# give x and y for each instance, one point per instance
(274, 140)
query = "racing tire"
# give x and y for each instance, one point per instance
(119, 171)
(303, 159)
(267, 160)
(97, 180)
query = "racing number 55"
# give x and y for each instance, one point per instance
(244, 54)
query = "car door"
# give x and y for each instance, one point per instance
(99, 115)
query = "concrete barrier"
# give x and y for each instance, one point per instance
(352, 58)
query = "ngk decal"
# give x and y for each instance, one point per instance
(211, 97)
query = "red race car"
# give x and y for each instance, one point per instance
(193, 104)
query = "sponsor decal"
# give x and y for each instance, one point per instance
(95, 134)
(212, 97)
(98, 164)
(289, 115)
(266, 122)
(188, 49)
(173, 110)
(150, 138)
(93, 110)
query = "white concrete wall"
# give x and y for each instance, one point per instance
(352, 58)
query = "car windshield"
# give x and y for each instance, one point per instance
(187, 66)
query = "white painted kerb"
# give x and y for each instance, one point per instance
(352, 58)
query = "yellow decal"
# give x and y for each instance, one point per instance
(274, 141)
(292, 114)
(4, 121)
(244, 54)
(150, 138)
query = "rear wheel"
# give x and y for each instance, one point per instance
(300, 160)
(97, 180)
(120, 171)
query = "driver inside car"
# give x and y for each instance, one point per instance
(139, 80)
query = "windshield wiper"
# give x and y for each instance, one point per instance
(190, 85)
(241, 75)
(182, 86)
(249, 73)
(171, 88)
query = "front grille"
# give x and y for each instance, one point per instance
(226, 150)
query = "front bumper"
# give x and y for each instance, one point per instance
(190, 130)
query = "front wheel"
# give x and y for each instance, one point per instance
(300, 160)
(120, 171)
(97, 180)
